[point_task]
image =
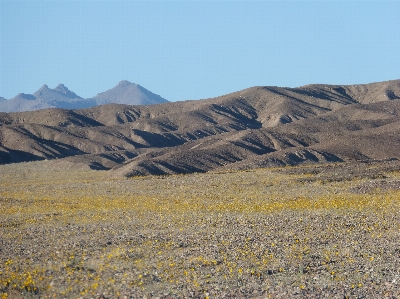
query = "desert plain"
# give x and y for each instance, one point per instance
(311, 231)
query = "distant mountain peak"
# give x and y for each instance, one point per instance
(61, 88)
(128, 93)
(44, 87)
(124, 83)
(124, 92)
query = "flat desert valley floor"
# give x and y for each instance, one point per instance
(317, 231)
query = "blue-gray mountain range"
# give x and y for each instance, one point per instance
(61, 97)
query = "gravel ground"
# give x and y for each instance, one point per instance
(269, 233)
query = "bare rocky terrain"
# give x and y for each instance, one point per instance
(255, 127)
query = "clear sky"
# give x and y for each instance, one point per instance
(185, 50)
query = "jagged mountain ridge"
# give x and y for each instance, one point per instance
(45, 97)
(255, 127)
(61, 97)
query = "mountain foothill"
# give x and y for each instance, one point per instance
(265, 126)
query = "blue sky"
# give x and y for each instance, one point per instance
(185, 50)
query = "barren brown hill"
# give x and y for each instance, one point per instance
(255, 127)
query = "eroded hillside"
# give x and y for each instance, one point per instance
(255, 127)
